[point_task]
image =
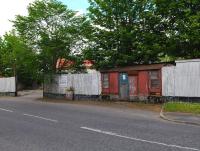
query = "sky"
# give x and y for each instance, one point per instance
(78, 5)
(10, 8)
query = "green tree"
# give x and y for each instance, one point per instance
(1, 45)
(17, 57)
(129, 32)
(52, 30)
(123, 32)
(180, 21)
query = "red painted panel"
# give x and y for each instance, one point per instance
(143, 83)
(105, 91)
(133, 85)
(114, 83)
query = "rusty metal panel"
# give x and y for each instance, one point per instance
(133, 85)
(143, 83)
(114, 83)
(133, 69)
(132, 72)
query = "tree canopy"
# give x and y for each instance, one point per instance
(143, 31)
(52, 30)
(17, 57)
(112, 33)
(180, 21)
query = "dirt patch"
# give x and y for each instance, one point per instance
(113, 104)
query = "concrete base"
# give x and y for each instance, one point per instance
(75, 97)
(114, 97)
(182, 99)
(7, 94)
(54, 96)
(134, 98)
(86, 97)
(117, 98)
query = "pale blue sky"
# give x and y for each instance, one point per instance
(10, 8)
(78, 5)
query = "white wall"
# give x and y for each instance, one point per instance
(182, 80)
(83, 84)
(7, 84)
(168, 83)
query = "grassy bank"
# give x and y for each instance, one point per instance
(182, 107)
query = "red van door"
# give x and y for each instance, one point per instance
(133, 86)
(114, 83)
(143, 82)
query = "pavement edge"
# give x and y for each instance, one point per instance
(176, 121)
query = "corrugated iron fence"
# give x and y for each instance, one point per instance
(182, 80)
(83, 84)
(7, 85)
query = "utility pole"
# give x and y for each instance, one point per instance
(15, 75)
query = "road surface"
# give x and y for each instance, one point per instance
(30, 125)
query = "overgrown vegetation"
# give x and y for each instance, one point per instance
(112, 33)
(182, 107)
(53, 31)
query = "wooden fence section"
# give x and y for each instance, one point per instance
(83, 84)
(182, 80)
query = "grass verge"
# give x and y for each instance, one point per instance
(182, 107)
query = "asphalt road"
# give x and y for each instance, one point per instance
(29, 125)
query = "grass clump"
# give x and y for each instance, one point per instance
(182, 107)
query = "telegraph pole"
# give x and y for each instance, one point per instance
(15, 75)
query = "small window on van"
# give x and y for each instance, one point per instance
(154, 79)
(105, 82)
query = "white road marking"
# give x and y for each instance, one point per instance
(43, 118)
(5, 110)
(137, 139)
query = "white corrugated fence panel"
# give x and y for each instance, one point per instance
(168, 83)
(65, 82)
(7, 84)
(188, 79)
(87, 84)
(83, 84)
(182, 80)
